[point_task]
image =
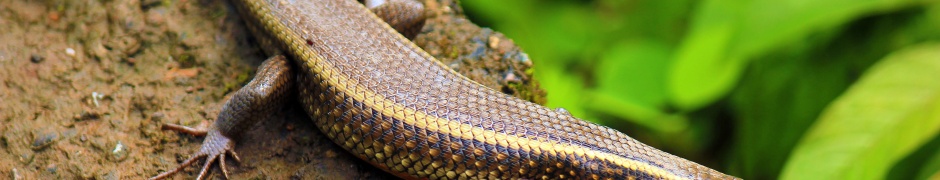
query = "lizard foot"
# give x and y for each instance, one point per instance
(215, 147)
(264, 94)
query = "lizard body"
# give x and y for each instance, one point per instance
(376, 94)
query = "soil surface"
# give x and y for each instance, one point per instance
(85, 86)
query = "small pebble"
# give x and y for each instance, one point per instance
(525, 59)
(478, 53)
(447, 9)
(99, 144)
(44, 141)
(70, 51)
(52, 168)
(511, 77)
(157, 116)
(26, 157)
(35, 58)
(494, 42)
(119, 153)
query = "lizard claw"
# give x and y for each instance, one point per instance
(215, 147)
(234, 155)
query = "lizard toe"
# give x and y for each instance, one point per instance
(215, 147)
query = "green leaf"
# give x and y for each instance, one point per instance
(701, 73)
(635, 71)
(889, 113)
(920, 164)
(931, 170)
(782, 93)
(726, 34)
(779, 99)
(631, 80)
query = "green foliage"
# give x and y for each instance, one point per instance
(732, 84)
(922, 164)
(889, 113)
(632, 84)
(801, 80)
(931, 169)
(726, 34)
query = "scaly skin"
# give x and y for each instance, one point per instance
(379, 96)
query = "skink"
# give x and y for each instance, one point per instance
(376, 94)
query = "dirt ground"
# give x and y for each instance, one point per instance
(86, 84)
